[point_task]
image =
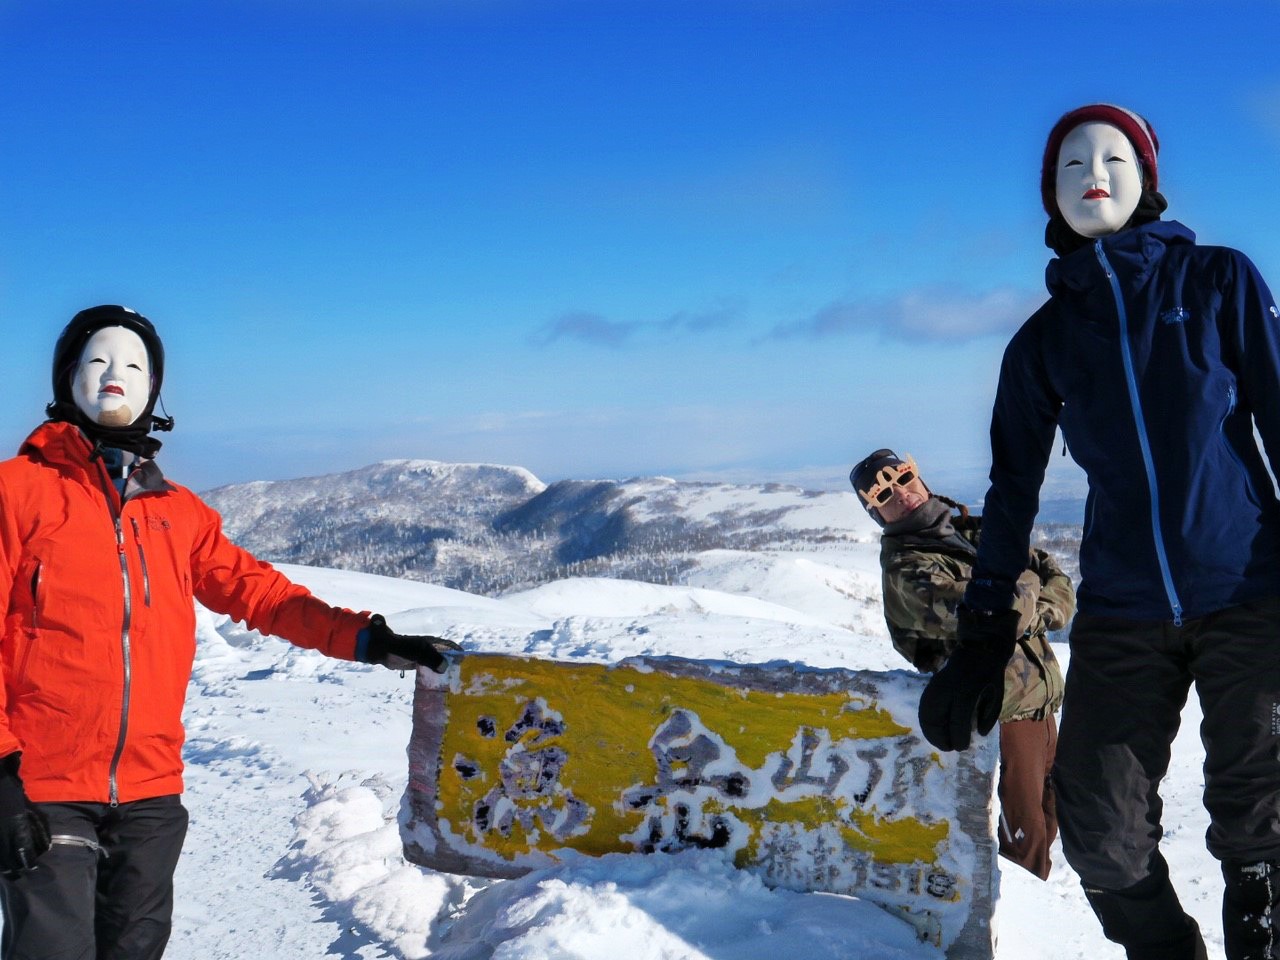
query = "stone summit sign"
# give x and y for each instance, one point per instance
(816, 780)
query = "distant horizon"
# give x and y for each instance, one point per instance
(1062, 498)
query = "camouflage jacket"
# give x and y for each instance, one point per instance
(926, 560)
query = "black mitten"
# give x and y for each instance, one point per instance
(24, 832)
(386, 647)
(967, 693)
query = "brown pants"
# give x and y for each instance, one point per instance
(1028, 818)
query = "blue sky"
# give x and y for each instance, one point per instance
(595, 239)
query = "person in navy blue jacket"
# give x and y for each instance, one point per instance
(1156, 357)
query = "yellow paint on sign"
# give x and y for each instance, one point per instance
(571, 712)
(904, 840)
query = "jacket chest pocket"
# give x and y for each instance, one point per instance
(62, 598)
(27, 598)
(25, 616)
(164, 556)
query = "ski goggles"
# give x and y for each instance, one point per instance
(888, 478)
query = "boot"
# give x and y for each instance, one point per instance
(1147, 919)
(1250, 908)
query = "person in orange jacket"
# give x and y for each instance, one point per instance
(101, 558)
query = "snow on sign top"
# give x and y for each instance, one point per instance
(812, 779)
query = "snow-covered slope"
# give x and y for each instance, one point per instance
(296, 766)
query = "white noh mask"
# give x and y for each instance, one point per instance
(1099, 180)
(112, 383)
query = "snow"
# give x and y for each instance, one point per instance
(777, 505)
(630, 598)
(296, 767)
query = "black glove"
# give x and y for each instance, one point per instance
(969, 689)
(24, 831)
(386, 648)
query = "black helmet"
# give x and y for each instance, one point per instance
(66, 356)
(66, 352)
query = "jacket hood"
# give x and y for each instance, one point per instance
(1139, 248)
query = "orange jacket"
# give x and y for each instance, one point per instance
(99, 629)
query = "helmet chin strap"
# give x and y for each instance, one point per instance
(165, 423)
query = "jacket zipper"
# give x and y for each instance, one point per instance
(71, 840)
(1231, 451)
(108, 490)
(142, 562)
(1144, 441)
(128, 668)
(29, 648)
(35, 597)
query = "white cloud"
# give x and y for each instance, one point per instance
(597, 329)
(586, 327)
(929, 314)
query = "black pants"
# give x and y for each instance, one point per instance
(112, 903)
(1126, 686)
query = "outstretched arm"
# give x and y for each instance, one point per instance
(230, 580)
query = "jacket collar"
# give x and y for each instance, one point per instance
(64, 446)
(1137, 249)
(57, 442)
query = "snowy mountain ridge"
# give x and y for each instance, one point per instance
(492, 529)
(488, 529)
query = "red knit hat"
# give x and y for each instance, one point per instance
(1136, 128)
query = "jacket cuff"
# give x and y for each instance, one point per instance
(989, 594)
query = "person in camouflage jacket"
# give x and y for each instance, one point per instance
(927, 552)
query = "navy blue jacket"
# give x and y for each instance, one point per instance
(1155, 356)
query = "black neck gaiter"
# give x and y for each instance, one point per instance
(1062, 240)
(134, 438)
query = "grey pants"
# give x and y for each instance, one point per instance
(1126, 686)
(112, 903)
